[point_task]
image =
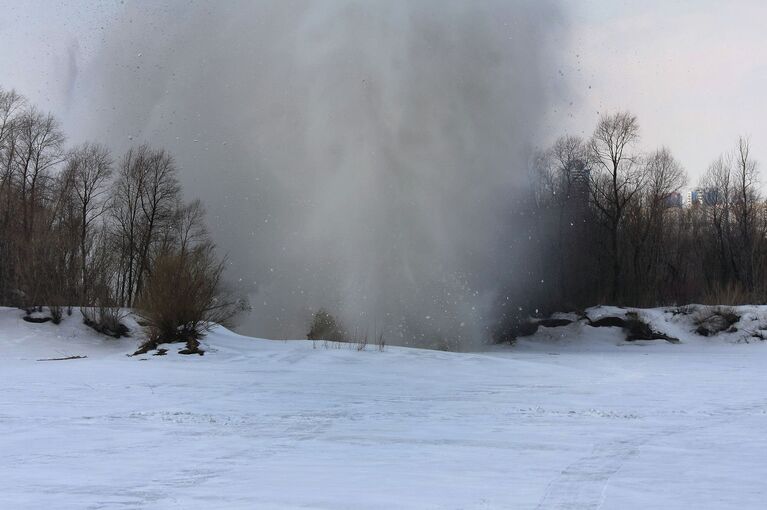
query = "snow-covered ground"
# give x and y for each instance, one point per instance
(572, 418)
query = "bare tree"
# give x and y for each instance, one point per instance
(11, 107)
(190, 226)
(88, 171)
(647, 219)
(144, 203)
(562, 190)
(40, 149)
(158, 201)
(746, 196)
(734, 211)
(616, 179)
(34, 148)
(125, 208)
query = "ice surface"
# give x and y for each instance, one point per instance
(576, 419)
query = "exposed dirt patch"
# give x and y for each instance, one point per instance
(633, 327)
(37, 320)
(554, 323)
(192, 347)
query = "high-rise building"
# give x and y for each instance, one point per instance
(674, 199)
(579, 175)
(693, 197)
(710, 197)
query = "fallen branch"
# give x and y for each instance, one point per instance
(62, 359)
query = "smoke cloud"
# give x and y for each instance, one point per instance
(357, 156)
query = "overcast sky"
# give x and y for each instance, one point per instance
(695, 71)
(354, 155)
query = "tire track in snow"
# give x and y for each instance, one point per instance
(582, 484)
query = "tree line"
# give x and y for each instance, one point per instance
(613, 228)
(80, 227)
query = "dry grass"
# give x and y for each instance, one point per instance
(327, 330)
(731, 294)
(715, 319)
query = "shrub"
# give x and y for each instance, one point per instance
(325, 327)
(714, 320)
(184, 298)
(107, 320)
(57, 313)
(381, 343)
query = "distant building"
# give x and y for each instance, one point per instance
(580, 175)
(673, 200)
(700, 197)
(692, 197)
(710, 197)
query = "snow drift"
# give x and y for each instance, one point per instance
(587, 421)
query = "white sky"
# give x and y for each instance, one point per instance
(694, 71)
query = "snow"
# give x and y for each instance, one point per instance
(573, 418)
